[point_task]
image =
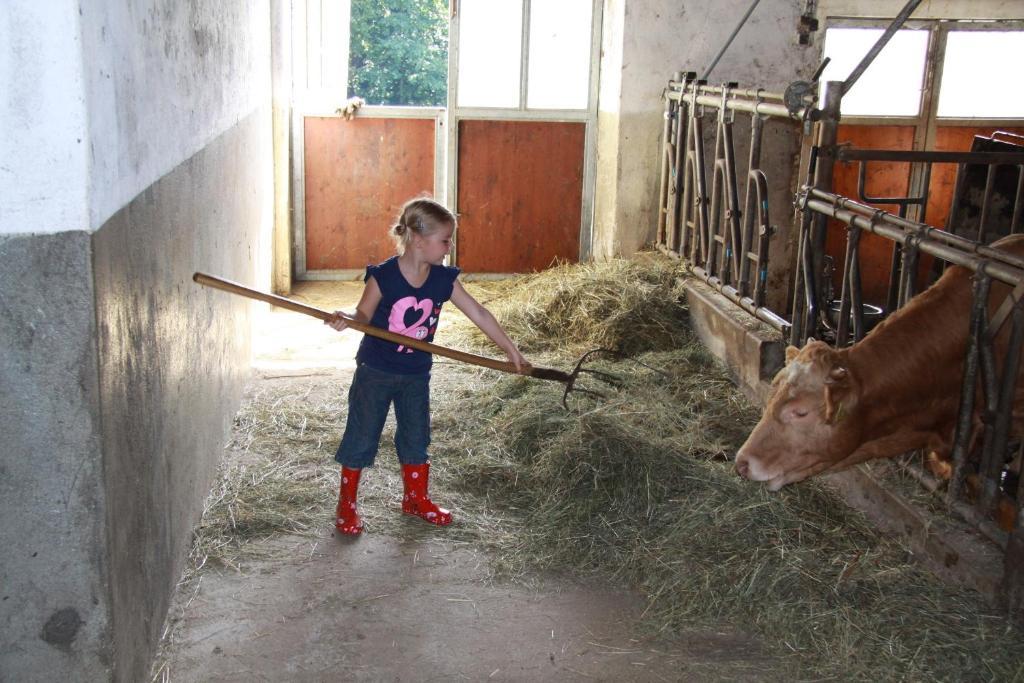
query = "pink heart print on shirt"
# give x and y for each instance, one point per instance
(396, 321)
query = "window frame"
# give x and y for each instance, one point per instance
(587, 116)
(927, 121)
(881, 26)
(315, 93)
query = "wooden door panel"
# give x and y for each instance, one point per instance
(891, 180)
(358, 174)
(520, 194)
(883, 180)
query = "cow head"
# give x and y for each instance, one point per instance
(810, 423)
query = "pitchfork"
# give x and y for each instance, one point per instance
(567, 378)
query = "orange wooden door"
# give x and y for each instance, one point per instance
(520, 194)
(358, 174)
(882, 180)
(892, 180)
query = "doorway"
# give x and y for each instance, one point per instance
(510, 149)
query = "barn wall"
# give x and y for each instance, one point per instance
(645, 42)
(172, 362)
(142, 154)
(43, 175)
(54, 612)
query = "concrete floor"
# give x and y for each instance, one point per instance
(382, 608)
(394, 608)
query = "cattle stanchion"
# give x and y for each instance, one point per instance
(990, 370)
(962, 435)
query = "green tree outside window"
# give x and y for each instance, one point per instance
(398, 52)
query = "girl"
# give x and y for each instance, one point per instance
(404, 295)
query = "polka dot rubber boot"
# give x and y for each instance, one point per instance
(346, 519)
(416, 500)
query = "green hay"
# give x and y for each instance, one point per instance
(639, 489)
(639, 493)
(280, 478)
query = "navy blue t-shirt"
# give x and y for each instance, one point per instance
(404, 309)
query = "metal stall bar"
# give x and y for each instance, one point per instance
(828, 133)
(724, 202)
(996, 373)
(961, 243)
(668, 167)
(903, 265)
(680, 140)
(804, 295)
(764, 235)
(1000, 265)
(757, 190)
(695, 157)
(850, 297)
(716, 232)
(972, 366)
(903, 269)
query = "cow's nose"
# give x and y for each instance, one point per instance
(742, 467)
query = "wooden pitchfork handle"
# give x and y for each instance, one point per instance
(365, 328)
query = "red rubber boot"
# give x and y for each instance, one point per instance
(347, 520)
(416, 500)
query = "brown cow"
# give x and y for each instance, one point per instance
(895, 391)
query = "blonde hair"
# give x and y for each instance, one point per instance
(420, 217)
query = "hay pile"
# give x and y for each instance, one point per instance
(628, 306)
(639, 489)
(640, 493)
(274, 481)
(280, 477)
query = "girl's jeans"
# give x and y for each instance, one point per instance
(369, 399)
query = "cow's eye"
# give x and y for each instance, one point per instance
(800, 412)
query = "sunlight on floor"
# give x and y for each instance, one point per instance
(283, 340)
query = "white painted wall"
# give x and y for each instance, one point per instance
(43, 140)
(660, 37)
(101, 99)
(603, 240)
(163, 80)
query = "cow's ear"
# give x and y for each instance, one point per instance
(837, 394)
(791, 353)
(837, 375)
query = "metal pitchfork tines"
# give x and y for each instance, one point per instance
(567, 378)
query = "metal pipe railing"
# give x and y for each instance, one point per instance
(702, 219)
(727, 244)
(990, 369)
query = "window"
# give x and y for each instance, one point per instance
(490, 52)
(398, 52)
(559, 54)
(892, 85)
(491, 67)
(977, 75)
